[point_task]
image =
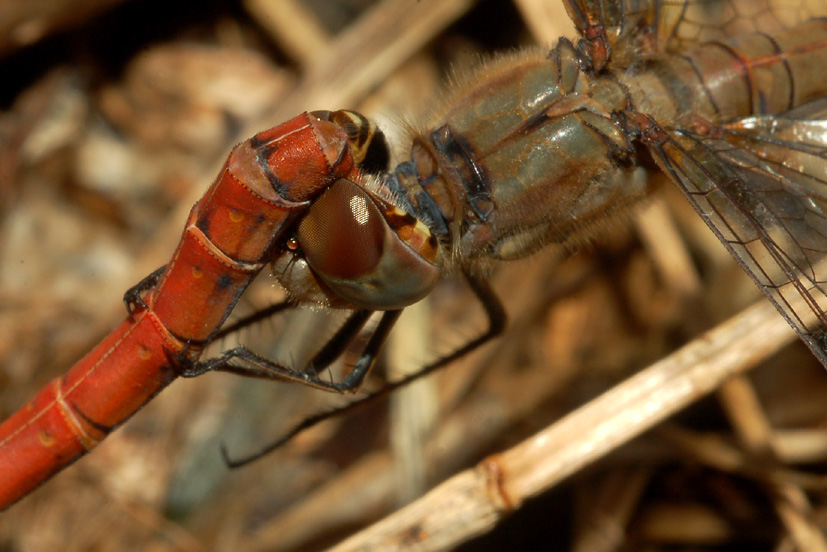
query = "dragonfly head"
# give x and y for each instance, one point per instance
(354, 249)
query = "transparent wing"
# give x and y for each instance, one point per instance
(760, 183)
(645, 29)
(706, 20)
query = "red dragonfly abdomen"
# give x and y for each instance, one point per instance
(72, 414)
(264, 184)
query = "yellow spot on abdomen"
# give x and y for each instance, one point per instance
(144, 353)
(236, 216)
(197, 272)
(46, 439)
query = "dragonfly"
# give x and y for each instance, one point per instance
(536, 149)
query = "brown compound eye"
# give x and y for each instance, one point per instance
(343, 234)
(354, 251)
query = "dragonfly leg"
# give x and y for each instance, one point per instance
(353, 381)
(494, 312)
(496, 316)
(133, 296)
(255, 365)
(334, 347)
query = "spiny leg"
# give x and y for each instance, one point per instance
(259, 367)
(494, 312)
(337, 344)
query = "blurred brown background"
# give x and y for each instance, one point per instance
(116, 116)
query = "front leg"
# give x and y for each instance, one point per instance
(256, 366)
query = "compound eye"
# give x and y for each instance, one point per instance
(354, 251)
(343, 233)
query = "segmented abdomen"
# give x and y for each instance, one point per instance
(726, 79)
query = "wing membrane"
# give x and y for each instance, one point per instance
(645, 29)
(760, 183)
